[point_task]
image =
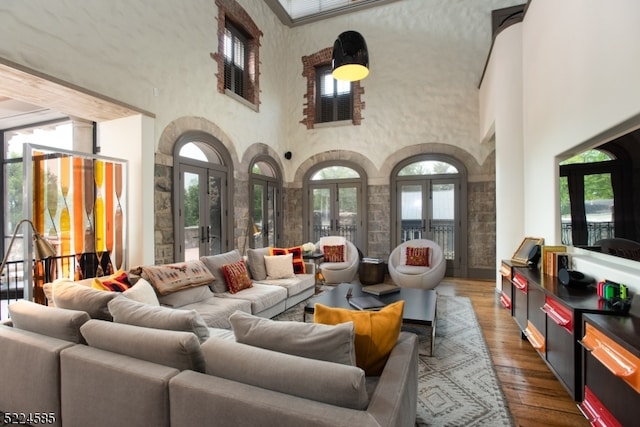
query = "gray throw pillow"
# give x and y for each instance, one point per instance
(79, 297)
(180, 350)
(135, 313)
(214, 263)
(255, 263)
(50, 321)
(331, 383)
(332, 343)
(186, 296)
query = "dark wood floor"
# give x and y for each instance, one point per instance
(534, 394)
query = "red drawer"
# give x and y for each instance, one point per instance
(594, 411)
(505, 301)
(520, 282)
(559, 314)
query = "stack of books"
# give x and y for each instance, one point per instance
(368, 260)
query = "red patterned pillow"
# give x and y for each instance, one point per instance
(333, 253)
(117, 282)
(237, 276)
(298, 261)
(418, 256)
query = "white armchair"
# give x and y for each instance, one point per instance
(412, 276)
(339, 272)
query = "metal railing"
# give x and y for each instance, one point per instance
(595, 231)
(46, 270)
(349, 232)
(441, 231)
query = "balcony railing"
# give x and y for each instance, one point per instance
(595, 231)
(441, 231)
(47, 270)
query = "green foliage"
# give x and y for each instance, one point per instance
(192, 205)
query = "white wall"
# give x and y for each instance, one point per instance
(580, 87)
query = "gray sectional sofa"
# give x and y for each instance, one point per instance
(82, 371)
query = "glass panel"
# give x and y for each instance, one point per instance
(442, 224)
(263, 168)
(258, 226)
(411, 197)
(598, 206)
(192, 151)
(348, 213)
(428, 167)
(215, 207)
(589, 156)
(321, 221)
(271, 215)
(335, 172)
(192, 227)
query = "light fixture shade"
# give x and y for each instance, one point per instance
(42, 248)
(350, 60)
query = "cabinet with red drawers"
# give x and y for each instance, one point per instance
(611, 370)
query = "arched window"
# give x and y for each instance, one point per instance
(428, 194)
(335, 202)
(265, 203)
(202, 168)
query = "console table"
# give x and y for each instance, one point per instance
(550, 316)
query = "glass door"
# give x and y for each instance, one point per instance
(264, 218)
(201, 214)
(335, 211)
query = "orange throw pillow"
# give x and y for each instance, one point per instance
(376, 332)
(237, 276)
(298, 260)
(333, 253)
(116, 282)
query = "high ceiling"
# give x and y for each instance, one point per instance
(299, 12)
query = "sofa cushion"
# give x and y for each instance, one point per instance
(176, 349)
(50, 321)
(215, 311)
(135, 313)
(215, 262)
(279, 266)
(236, 276)
(312, 340)
(186, 296)
(331, 383)
(376, 332)
(168, 278)
(295, 285)
(142, 292)
(255, 263)
(261, 297)
(116, 282)
(68, 294)
(417, 256)
(297, 259)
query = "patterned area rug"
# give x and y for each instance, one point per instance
(457, 386)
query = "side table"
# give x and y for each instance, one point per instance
(317, 258)
(371, 271)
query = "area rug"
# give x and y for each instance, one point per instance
(457, 386)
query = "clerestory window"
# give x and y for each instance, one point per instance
(335, 99)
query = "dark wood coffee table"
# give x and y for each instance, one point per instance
(419, 304)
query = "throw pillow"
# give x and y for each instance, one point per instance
(215, 262)
(255, 263)
(333, 253)
(135, 313)
(169, 278)
(237, 276)
(116, 282)
(311, 340)
(70, 295)
(279, 266)
(50, 321)
(297, 260)
(417, 256)
(142, 292)
(376, 332)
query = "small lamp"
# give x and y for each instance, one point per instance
(350, 59)
(41, 246)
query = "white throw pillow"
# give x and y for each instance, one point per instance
(279, 266)
(142, 292)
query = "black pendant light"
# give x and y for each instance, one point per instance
(350, 59)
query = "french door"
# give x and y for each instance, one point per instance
(428, 209)
(201, 212)
(335, 211)
(265, 218)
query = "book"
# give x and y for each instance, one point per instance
(381, 289)
(367, 302)
(372, 260)
(549, 258)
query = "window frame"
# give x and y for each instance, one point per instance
(336, 98)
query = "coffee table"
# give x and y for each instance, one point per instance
(419, 304)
